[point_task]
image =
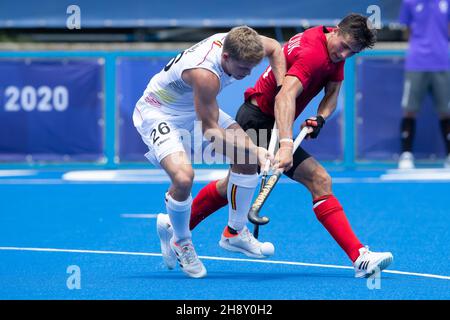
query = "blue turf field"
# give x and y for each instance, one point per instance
(119, 257)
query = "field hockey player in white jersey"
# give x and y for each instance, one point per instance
(186, 91)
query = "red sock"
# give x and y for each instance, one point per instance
(207, 201)
(332, 216)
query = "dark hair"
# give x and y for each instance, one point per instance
(360, 29)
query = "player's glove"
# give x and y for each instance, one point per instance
(316, 123)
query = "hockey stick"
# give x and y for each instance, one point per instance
(253, 214)
(272, 144)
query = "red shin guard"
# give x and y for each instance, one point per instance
(331, 214)
(207, 201)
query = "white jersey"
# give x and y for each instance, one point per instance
(167, 90)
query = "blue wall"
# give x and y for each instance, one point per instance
(153, 13)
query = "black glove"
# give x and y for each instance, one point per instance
(316, 123)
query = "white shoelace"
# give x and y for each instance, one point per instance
(366, 253)
(246, 235)
(188, 255)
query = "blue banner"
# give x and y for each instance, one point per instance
(83, 14)
(133, 76)
(379, 112)
(51, 110)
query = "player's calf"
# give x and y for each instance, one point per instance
(178, 199)
(208, 201)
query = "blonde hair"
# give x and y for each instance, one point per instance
(244, 44)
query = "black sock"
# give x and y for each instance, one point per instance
(408, 129)
(445, 129)
(231, 230)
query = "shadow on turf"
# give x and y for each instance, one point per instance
(249, 276)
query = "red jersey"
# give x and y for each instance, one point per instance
(307, 59)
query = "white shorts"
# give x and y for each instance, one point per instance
(166, 133)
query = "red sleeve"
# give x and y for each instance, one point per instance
(302, 69)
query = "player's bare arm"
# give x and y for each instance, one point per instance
(329, 101)
(274, 51)
(284, 117)
(206, 87)
(325, 109)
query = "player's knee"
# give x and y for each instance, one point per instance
(184, 179)
(321, 179)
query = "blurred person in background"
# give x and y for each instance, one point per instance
(426, 70)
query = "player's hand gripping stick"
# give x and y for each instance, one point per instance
(253, 214)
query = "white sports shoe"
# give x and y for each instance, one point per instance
(246, 243)
(165, 233)
(406, 160)
(369, 263)
(187, 258)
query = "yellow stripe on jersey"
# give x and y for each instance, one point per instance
(165, 96)
(218, 43)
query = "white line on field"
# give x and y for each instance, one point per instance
(139, 215)
(292, 263)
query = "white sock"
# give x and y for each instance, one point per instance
(180, 214)
(240, 190)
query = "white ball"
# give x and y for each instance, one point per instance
(267, 249)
